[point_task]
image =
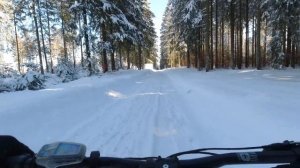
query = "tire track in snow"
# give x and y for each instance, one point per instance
(168, 126)
(168, 129)
(110, 137)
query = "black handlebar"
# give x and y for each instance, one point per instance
(277, 157)
(289, 156)
(272, 157)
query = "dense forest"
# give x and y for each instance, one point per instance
(209, 34)
(97, 35)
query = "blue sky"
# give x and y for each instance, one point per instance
(158, 7)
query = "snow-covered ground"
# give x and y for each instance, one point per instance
(149, 113)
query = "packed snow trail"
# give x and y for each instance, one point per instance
(150, 113)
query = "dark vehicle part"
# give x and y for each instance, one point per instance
(286, 155)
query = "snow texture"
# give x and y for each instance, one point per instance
(151, 113)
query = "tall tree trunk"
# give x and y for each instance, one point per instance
(232, 25)
(284, 42)
(128, 57)
(203, 36)
(104, 52)
(265, 44)
(199, 57)
(188, 56)
(247, 35)
(136, 57)
(37, 37)
(112, 59)
(179, 61)
(217, 36)
(80, 38)
(207, 39)
(42, 35)
(293, 56)
(64, 37)
(253, 42)
(139, 56)
(86, 37)
(74, 59)
(17, 44)
(112, 55)
(236, 37)
(201, 49)
(240, 55)
(198, 48)
(258, 37)
(288, 47)
(297, 59)
(211, 35)
(63, 32)
(49, 38)
(120, 58)
(222, 40)
(195, 54)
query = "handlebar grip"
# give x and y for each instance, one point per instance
(22, 161)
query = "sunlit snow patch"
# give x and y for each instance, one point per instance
(53, 89)
(247, 71)
(149, 66)
(115, 94)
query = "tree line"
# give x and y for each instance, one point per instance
(209, 34)
(108, 33)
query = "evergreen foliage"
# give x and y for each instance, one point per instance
(47, 31)
(231, 33)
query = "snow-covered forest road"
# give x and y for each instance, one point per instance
(145, 113)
